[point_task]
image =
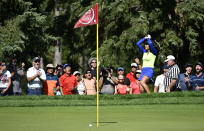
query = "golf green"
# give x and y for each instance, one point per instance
(168, 117)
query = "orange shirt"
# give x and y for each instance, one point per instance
(67, 83)
(131, 77)
(122, 89)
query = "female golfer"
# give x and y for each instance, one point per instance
(148, 59)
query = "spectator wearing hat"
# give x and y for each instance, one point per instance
(68, 82)
(121, 88)
(92, 66)
(159, 82)
(121, 71)
(135, 85)
(51, 85)
(172, 76)
(197, 79)
(184, 78)
(149, 56)
(130, 75)
(80, 83)
(90, 83)
(35, 76)
(5, 79)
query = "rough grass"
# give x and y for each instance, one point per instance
(105, 100)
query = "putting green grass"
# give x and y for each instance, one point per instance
(167, 117)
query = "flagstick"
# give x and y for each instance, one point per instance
(97, 77)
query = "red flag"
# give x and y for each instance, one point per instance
(89, 18)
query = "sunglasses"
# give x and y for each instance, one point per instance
(133, 67)
(3, 65)
(93, 62)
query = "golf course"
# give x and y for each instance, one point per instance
(182, 111)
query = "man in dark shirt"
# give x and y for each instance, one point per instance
(197, 80)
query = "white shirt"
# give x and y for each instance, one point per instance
(36, 83)
(81, 88)
(160, 83)
(4, 79)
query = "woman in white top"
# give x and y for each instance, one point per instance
(5, 79)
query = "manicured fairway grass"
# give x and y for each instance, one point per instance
(159, 117)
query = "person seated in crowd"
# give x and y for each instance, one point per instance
(184, 78)
(90, 83)
(80, 83)
(135, 85)
(130, 75)
(172, 75)
(68, 82)
(107, 81)
(121, 71)
(35, 76)
(92, 66)
(5, 79)
(121, 88)
(159, 82)
(197, 79)
(51, 85)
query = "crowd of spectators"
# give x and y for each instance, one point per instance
(61, 80)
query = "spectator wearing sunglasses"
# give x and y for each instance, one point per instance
(92, 66)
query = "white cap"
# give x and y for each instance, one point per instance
(170, 57)
(76, 72)
(138, 71)
(134, 64)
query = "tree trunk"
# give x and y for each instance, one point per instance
(58, 53)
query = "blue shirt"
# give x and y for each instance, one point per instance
(197, 81)
(182, 83)
(52, 77)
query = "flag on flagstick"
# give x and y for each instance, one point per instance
(89, 18)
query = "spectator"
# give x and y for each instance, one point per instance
(137, 61)
(130, 75)
(159, 82)
(171, 78)
(121, 71)
(135, 85)
(149, 56)
(51, 85)
(58, 71)
(90, 83)
(80, 83)
(22, 73)
(184, 78)
(197, 80)
(5, 79)
(93, 65)
(35, 76)
(121, 88)
(107, 81)
(15, 77)
(68, 81)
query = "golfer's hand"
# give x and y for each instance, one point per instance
(148, 37)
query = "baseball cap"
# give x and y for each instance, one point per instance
(65, 65)
(165, 67)
(170, 57)
(134, 64)
(76, 72)
(36, 59)
(199, 63)
(50, 66)
(138, 72)
(120, 69)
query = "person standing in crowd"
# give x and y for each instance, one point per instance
(121, 71)
(121, 88)
(5, 79)
(80, 83)
(171, 78)
(137, 61)
(130, 75)
(184, 78)
(159, 82)
(22, 73)
(35, 76)
(58, 71)
(135, 85)
(149, 56)
(107, 81)
(92, 66)
(90, 83)
(197, 79)
(51, 85)
(15, 77)
(68, 82)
